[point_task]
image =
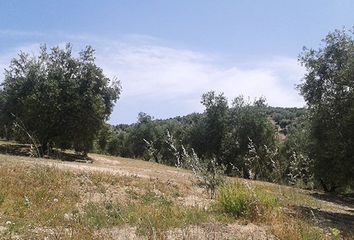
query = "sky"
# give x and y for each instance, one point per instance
(168, 53)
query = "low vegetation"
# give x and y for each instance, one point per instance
(244, 200)
(40, 201)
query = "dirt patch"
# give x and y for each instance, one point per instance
(221, 231)
(2, 229)
(125, 232)
(195, 201)
(209, 231)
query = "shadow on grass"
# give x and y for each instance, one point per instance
(24, 150)
(342, 221)
(346, 200)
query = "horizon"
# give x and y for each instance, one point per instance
(168, 54)
(153, 118)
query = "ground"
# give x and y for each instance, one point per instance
(118, 198)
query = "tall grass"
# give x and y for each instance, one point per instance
(243, 200)
(208, 174)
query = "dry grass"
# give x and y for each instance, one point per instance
(38, 200)
(35, 197)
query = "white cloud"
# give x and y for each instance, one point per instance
(166, 81)
(11, 33)
(171, 78)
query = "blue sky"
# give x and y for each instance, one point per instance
(167, 53)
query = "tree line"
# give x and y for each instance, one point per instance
(241, 136)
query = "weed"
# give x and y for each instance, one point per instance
(287, 227)
(132, 193)
(233, 200)
(94, 216)
(335, 232)
(208, 174)
(151, 218)
(149, 197)
(242, 200)
(102, 215)
(177, 194)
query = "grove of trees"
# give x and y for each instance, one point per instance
(58, 100)
(240, 136)
(317, 149)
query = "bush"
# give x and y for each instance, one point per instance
(233, 200)
(242, 200)
(208, 173)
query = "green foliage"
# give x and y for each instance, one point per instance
(234, 200)
(300, 169)
(335, 233)
(328, 89)
(247, 122)
(208, 174)
(151, 214)
(60, 99)
(264, 163)
(216, 110)
(243, 200)
(296, 151)
(103, 137)
(102, 215)
(285, 117)
(221, 133)
(237, 140)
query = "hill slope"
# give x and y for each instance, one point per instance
(119, 198)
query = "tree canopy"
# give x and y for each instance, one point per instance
(328, 89)
(59, 99)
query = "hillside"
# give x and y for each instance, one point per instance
(120, 198)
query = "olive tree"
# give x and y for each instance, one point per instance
(59, 99)
(328, 89)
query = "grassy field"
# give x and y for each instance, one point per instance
(115, 198)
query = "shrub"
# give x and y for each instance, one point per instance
(242, 200)
(233, 200)
(208, 173)
(300, 169)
